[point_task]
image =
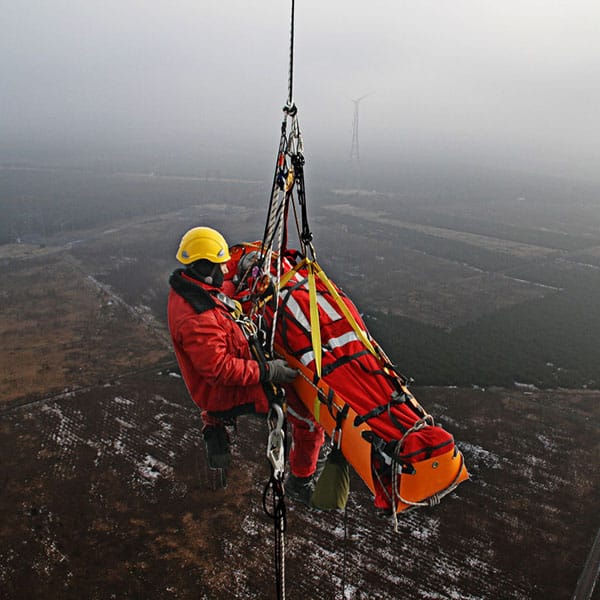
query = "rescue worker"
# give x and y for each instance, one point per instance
(217, 364)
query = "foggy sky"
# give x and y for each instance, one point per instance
(511, 83)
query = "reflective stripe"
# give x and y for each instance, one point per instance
(329, 310)
(301, 317)
(297, 312)
(338, 342)
(327, 307)
(307, 358)
(342, 340)
(307, 420)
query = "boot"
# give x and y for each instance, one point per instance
(216, 440)
(299, 489)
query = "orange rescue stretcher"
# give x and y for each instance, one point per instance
(353, 390)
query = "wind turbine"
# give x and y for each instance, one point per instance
(354, 149)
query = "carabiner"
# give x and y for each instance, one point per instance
(275, 445)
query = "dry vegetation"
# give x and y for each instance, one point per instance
(489, 243)
(59, 329)
(106, 493)
(381, 274)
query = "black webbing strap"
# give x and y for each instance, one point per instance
(298, 162)
(342, 414)
(378, 443)
(395, 400)
(427, 450)
(340, 362)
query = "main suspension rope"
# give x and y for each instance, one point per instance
(275, 239)
(291, 71)
(288, 173)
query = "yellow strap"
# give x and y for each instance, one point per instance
(285, 278)
(342, 306)
(315, 328)
(313, 271)
(315, 324)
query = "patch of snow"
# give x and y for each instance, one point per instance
(546, 442)
(476, 454)
(427, 531)
(121, 400)
(525, 386)
(453, 423)
(119, 446)
(534, 461)
(250, 526)
(553, 483)
(151, 468)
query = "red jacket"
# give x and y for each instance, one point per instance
(213, 354)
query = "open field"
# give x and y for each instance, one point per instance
(469, 313)
(86, 306)
(105, 490)
(60, 328)
(106, 494)
(447, 277)
(383, 274)
(503, 246)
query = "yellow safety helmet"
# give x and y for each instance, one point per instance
(202, 242)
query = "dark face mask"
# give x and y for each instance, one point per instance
(217, 276)
(207, 272)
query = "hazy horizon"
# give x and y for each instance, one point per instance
(505, 86)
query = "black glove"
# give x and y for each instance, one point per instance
(278, 371)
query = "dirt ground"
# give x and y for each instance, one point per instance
(61, 328)
(105, 494)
